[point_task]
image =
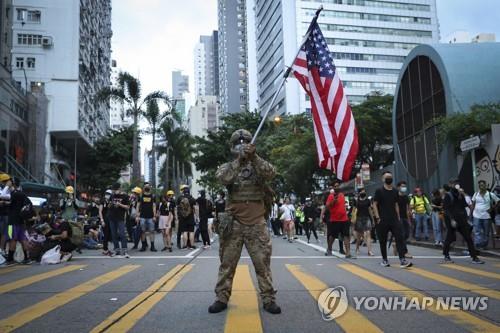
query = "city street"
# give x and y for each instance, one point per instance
(158, 292)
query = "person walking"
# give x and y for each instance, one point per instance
(165, 218)
(484, 204)
(338, 226)
(455, 218)
(405, 217)
(419, 204)
(117, 212)
(310, 215)
(146, 211)
(287, 216)
(436, 215)
(244, 221)
(104, 219)
(363, 221)
(387, 218)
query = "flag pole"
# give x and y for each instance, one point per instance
(285, 76)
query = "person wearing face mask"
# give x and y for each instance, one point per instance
(310, 214)
(363, 223)
(419, 204)
(146, 211)
(484, 203)
(387, 218)
(104, 217)
(455, 218)
(405, 216)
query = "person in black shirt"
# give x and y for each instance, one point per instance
(186, 211)
(117, 211)
(455, 219)
(104, 217)
(166, 217)
(204, 212)
(386, 212)
(60, 235)
(363, 223)
(405, 216)
(310, 215)
(146, 212)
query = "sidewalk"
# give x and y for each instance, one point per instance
(460, 246)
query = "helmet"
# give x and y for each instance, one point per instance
(4, 177)
(183, 187)
(69, 189)
(137, 190)
(241, 134)
(109, 192)
(170, 192)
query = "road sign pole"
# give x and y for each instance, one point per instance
(474, 169)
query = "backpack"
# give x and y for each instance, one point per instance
(76, 233)
(185, 209)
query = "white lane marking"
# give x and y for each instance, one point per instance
(192, 253)
(320, 248)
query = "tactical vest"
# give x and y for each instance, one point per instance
(246, 187)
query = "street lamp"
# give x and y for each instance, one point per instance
(277, 120)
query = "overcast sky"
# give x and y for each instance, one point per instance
(151, 38)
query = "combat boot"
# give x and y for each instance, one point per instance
(217, 307)
(272, 307)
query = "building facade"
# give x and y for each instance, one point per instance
(233, 62)
(432, 85)
(461, 36)
(369, 40)
(206, 72)
(62, 48)
(118, 118)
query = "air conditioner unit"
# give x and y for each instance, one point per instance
(47, 41)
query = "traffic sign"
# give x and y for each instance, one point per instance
(470, 144)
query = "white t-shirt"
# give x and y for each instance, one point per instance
(483, 204)
(288, 212)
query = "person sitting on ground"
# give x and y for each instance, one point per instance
(60, 235)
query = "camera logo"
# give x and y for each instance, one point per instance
(333, 303)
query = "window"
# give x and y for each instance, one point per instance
(30, 62)
(21, 14)
(19, 62)
(28, 39)
(34, 16)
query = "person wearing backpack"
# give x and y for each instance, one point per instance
(484, 203)
(419, 204)
(186, 216)
(20, 209)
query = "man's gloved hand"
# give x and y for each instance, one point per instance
(248, 152)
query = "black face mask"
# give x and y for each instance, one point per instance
(388, 181)
(362, 195)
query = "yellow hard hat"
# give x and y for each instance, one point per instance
(70, 189)
(137, 190)
(183, 187)
(170, 192)
(4, 177)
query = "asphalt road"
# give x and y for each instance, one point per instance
(170, 292)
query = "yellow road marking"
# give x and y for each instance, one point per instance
(10, 269)
(243, 315)
(39, 309)
(473, 271)
(456, 283)
(149, 298)
(36, 278)
(459, 317)
(351, 320)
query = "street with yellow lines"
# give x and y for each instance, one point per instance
(171, 293)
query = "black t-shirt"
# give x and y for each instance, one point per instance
(94, 210)
(437, 201)
(403, 201)
(17, 201)
(310, 212)
(386, 203)
(105, 209)
(118, 213)
(147, 201)
(165, 208)
(363, 206)
(220, 206)
(204, 207)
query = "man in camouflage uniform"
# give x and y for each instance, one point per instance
(243, 222)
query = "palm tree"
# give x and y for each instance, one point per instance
(128, 91)
(154, 117)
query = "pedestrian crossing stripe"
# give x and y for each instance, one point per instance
(128, 315)
(37, 278)
(243, 315)
(456, 283)
(37, 310)
(351, 320)
(473, 271)
(459, 317)
(10, 269)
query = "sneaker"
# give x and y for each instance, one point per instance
(27, 262)
(350, 256)
(217, 307)
(328, 253)
(405, 263)
(385, 263)
(111, 253)
(143, 249)
(66, 257)
(9, 263)
(192, 248)
(153, 249)
(170, 249)
(126, 255)
(370, 253)
(272, 308)
(447, 260)
(408, 256)
(285, 237)
(476, 260)
(164, 249)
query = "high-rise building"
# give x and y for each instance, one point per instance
(118, 117)
(233, 65)
(369, 40)
(63, 48)
(205, 70)
(180, 84)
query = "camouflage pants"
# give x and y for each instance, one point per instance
(258, 243)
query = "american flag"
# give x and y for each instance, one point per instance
(334, 127)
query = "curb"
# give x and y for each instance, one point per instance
(483, 253)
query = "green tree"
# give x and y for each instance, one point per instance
(101, 167)
(128, 92)
(460, 126)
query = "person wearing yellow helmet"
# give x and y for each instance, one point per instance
(69, 205)
(5, 190)
(133, 231)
